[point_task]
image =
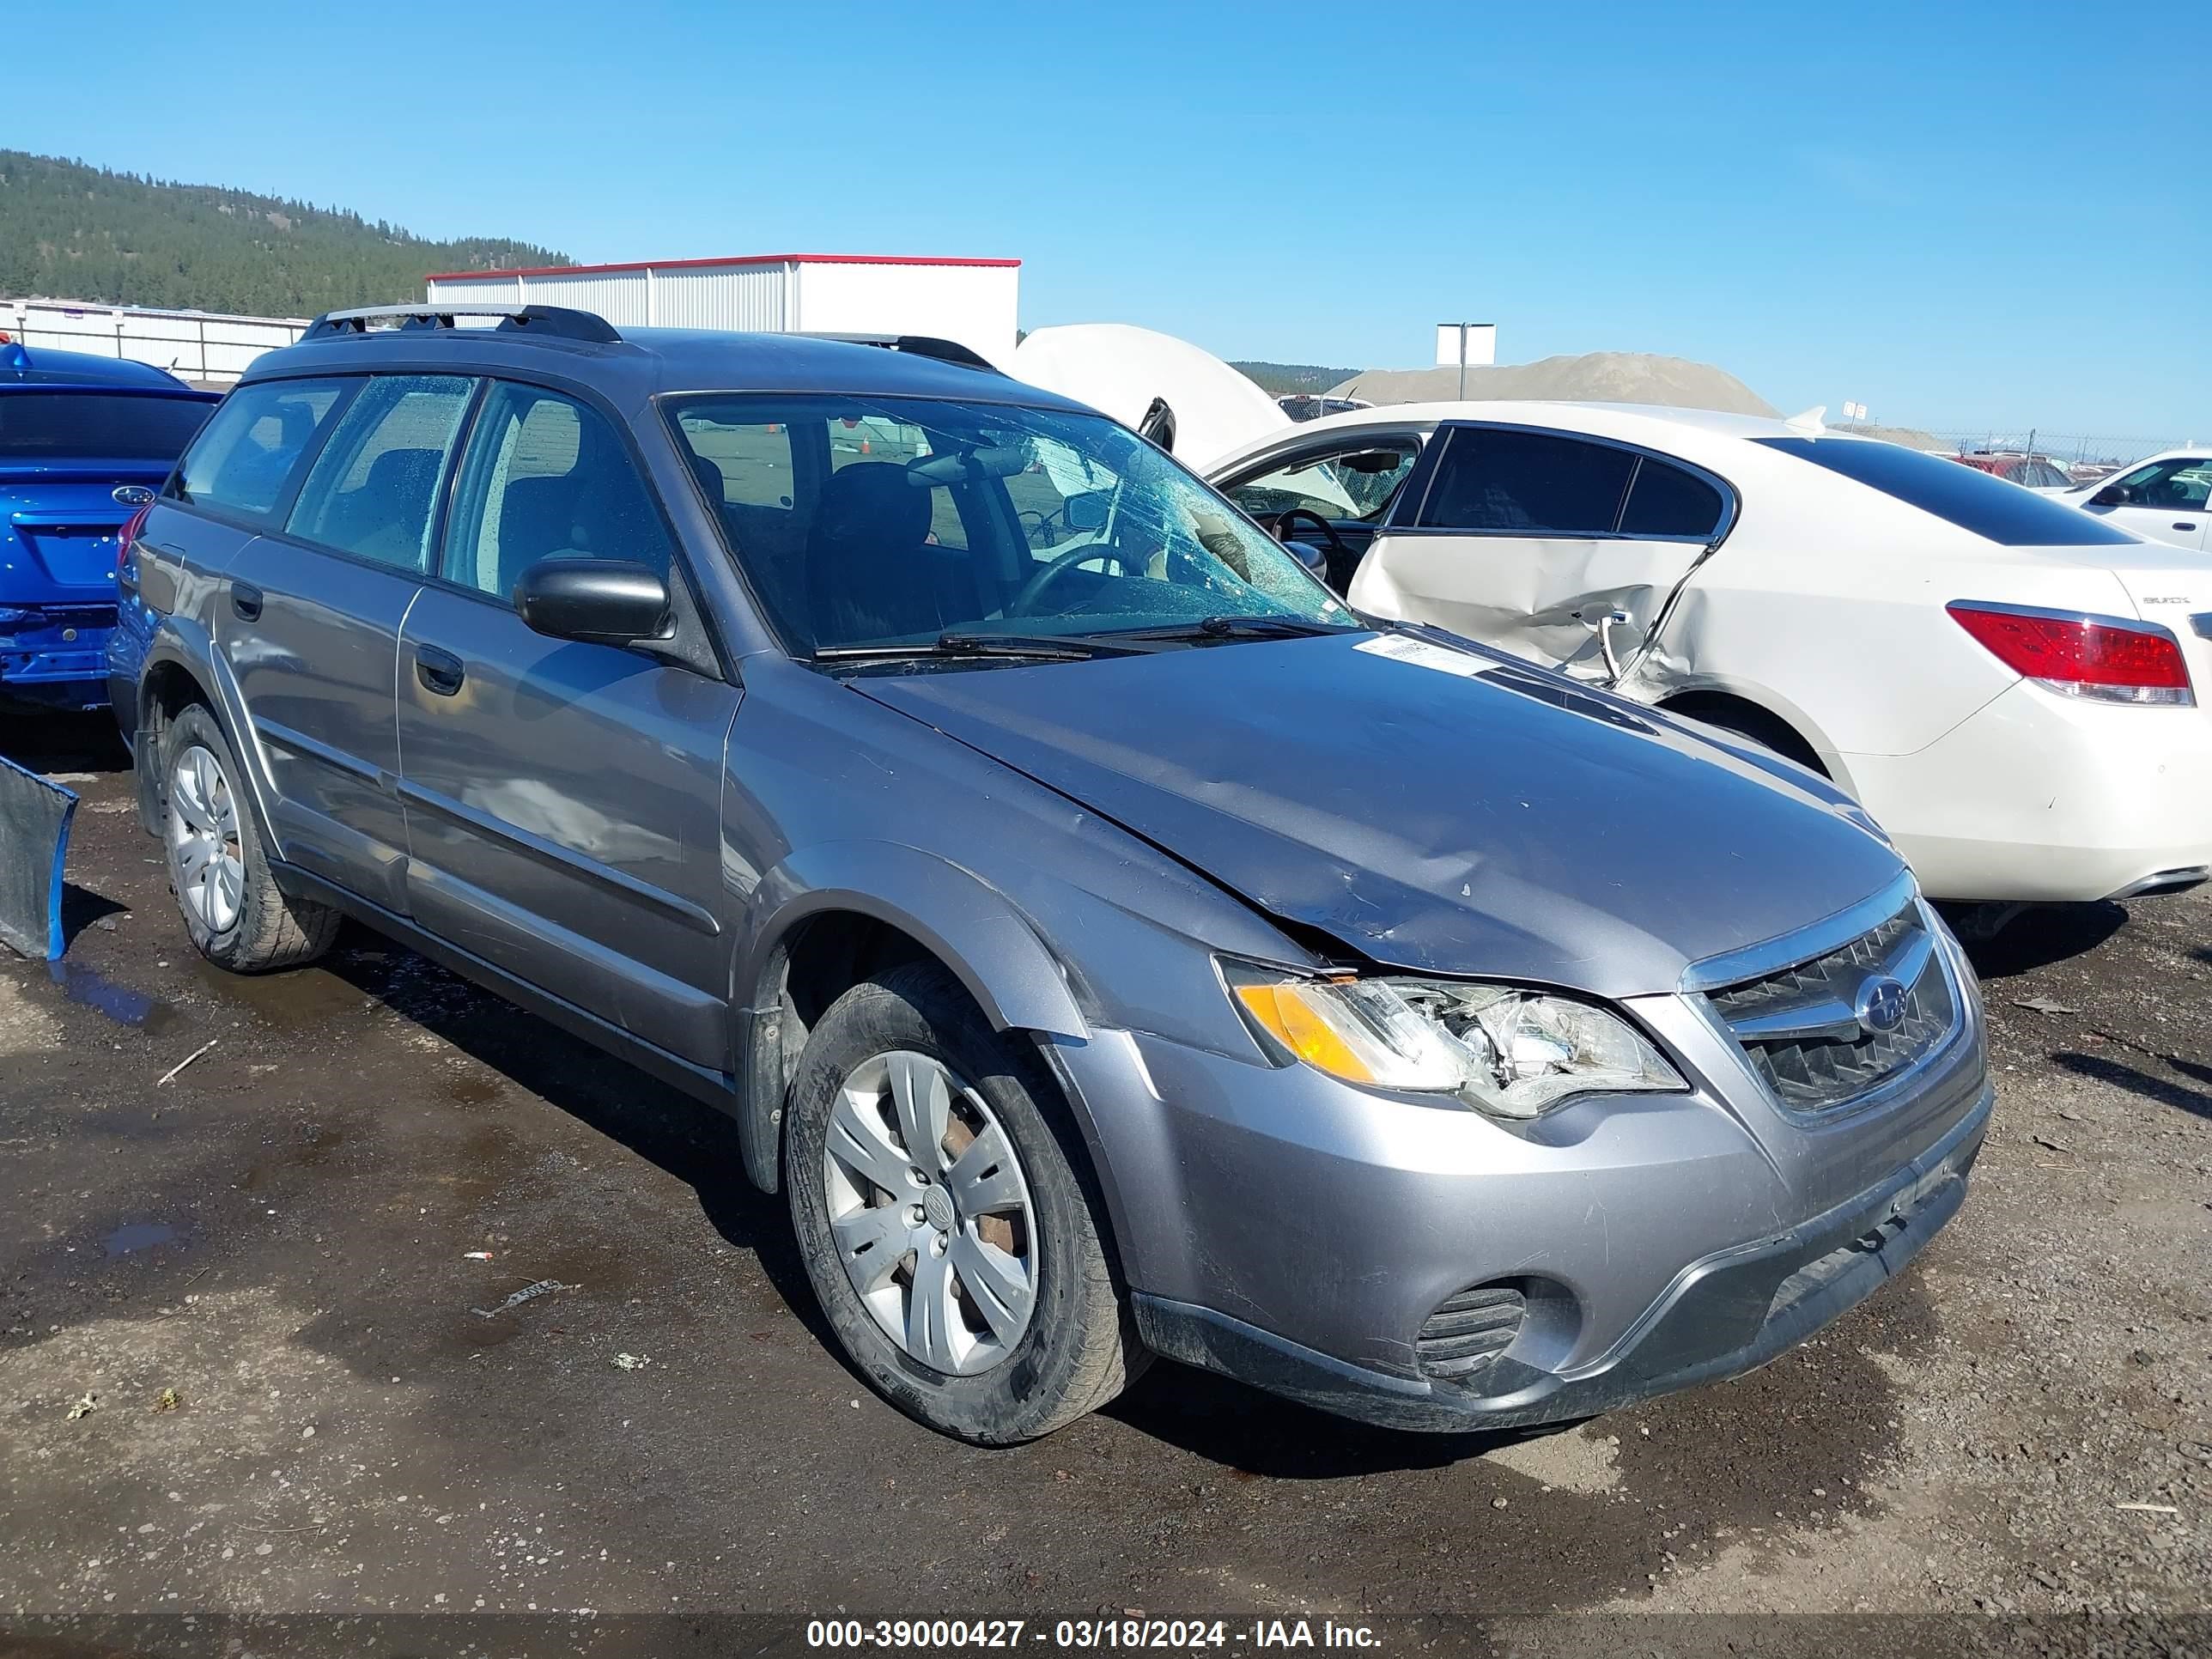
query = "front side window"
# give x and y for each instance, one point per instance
(1527, 484)
(546, 477)
(103, 425)
(908, 519)
(2173, 486)
(374, 490)
(1344, 483)
(1976, 501)
(244, 459)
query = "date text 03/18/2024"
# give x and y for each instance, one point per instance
(1129, 1631)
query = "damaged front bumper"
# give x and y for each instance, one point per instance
(1726, 1315)
(1420, 1264)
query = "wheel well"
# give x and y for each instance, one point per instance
(817, 962)
(167, 690)
(1750, 720)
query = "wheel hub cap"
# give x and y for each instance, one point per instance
(205, 854)
(930, 1212)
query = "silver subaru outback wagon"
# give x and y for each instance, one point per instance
(1108, 943)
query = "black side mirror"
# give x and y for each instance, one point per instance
(2111, 496)
(1088, 510)
(599, 601)
(1314, 560)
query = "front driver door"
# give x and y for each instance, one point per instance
(1530, 540)
(564, 798)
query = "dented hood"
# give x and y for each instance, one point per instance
(1432, 809)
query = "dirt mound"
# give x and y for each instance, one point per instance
(1609, 377)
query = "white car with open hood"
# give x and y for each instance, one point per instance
(2010, 686)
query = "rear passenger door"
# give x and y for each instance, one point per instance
(1529, 539)
(564, 798)
(309, 621)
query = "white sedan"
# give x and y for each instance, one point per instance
(2167, 498)
(2008, 685)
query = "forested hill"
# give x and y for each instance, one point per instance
(69, 231)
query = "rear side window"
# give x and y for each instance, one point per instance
(97, 425)
(1973, 500)
(374, 490)
(1527, 484)
(1667, 500)
(546, 478)
(246, 455)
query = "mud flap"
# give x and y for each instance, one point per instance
(35, 826)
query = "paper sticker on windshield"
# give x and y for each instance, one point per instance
(1423, 654)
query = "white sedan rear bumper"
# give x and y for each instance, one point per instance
(2049, 798)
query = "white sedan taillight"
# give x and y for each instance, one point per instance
(2104, 658)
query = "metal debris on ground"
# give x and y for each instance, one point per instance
(187, 1060)
(527, 1293)
(84, 1407)
(2042, 1005)
(2149, 1509)
(631, 1362)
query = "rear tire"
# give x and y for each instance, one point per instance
(232, 909)
(973, 1292)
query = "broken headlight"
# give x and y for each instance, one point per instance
(1510, 1052)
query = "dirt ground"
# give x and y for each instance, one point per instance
(263, 1351)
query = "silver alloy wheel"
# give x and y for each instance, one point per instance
(204, 840)
(930, 1212)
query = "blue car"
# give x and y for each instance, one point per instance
(83, 442)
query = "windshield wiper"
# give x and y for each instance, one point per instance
(1034, 647)
(1233, 628)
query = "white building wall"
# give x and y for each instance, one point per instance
(744, 297)
(975, 305)
(478, 290)
(194, 345)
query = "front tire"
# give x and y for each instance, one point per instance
(237, 916)
(934, 1187)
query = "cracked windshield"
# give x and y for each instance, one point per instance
(894, 523)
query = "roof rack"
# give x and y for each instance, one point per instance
(918, 345)
(556, 322)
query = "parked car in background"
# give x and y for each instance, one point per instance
(83, 440)
(1091, 926)
(2030, 472)
(2167, 498)
(2008, 685)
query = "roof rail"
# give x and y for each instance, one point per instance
(918, 345)
(556, 322)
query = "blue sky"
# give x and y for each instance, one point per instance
(1956, 215)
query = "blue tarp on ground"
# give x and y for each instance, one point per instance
(35, 826)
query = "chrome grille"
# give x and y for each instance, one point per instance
(1802, 1029)
(1469, 1330)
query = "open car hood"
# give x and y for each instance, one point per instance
(1432, 809)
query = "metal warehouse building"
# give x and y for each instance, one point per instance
(970, 301)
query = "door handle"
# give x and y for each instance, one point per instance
(245, 600)
(441, 671)
(2184, 524)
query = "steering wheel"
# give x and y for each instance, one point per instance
(1021, 604)
(1337, 544)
